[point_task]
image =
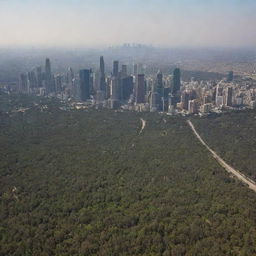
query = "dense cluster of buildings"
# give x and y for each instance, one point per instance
(135, 91)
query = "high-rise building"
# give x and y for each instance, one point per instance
(124, 71)
(23, 83)
(84, 82)
(184, 100)
(230, 76)
(102, 65)
(159, 83)
(102, 77)
(176, 81)
(48, 76)
(135, 70)
(58, 84)
(127, 87)
(32, 83)
(229, 93)
(192, 107)
(114, 93)
(115, 68)
(140, 89)
(70, 77)
(39, 77)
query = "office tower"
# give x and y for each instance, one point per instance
(84, 83)
(115, 68)
(91, 91)
(102, 65)
(230, 76)
(23, 83)
(184, 100)
(114, 93)
(39, 77)
(229, 93)
(159, 83)
(48, 76)
(192, 107)
(124, 71)
(58, 84)
(127, 87)
(219, 101)
(70, 77)
(140, 89)
(75, 89)
(102, 78)
(171, 109)
(176, 81)
(135, 70)
(154, 102)
(32, 83)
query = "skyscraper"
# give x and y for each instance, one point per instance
(102, 77)
(23, 83)
(230, 76)
(102, 65)
(159, 83)
(124, 71)
(48, 76)
(140, 89)
(127, 87)
(176, 81)
(58, 83)
(84, 82)
(39, 77)
(70, 77)
(229, 93)
(114, 93)
(115, 68)
(176, 86)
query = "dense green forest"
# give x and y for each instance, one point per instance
(233, 136)
(86, 182)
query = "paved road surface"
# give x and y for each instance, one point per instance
(227, 167)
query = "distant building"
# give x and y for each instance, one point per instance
(39, 77)
(176, 81)
(192, 107)
(84, 82)
(115, 68)
(102, 78)
(159, 83)
(230, 76)
(140, 89)
(23, 84)
(127, 87)
(48, 76)
(229, 93)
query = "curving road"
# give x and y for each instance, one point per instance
(227, 167)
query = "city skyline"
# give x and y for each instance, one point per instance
(76, 23)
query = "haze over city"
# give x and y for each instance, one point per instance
(90, 23)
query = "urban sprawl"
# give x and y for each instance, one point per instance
(136, 91)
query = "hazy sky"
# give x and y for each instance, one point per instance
(111, 22)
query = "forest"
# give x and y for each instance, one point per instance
(233, 136)
(87, 182)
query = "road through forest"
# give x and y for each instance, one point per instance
(227, 167)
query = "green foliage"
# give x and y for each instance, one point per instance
(233, 136)
(86, 183)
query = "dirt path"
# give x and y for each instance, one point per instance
(143, 125)
(227, 167)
